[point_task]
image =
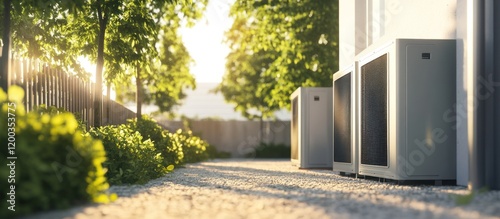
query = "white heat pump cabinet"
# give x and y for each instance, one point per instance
(407, 93)
(345, 156)
(311, 128)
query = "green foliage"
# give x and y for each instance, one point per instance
(134, 40)
(170, 149)
(176, 148)
(271, 151)
(38, 29)
(242, 83)
(276, 47)
(56, 166)
(130, 159)
(194, 148)
(164, 71)
(52, 110)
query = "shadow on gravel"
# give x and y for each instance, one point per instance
(300, 186)
(350, 195)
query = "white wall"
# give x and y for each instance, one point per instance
(377, 21)
(346, 33)
(464, 82)
(399, 19)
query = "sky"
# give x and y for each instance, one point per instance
(205, 44)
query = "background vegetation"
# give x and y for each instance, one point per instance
(276, 47)
(135, 41)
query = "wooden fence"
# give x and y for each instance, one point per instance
(236, 137)
(53, 87)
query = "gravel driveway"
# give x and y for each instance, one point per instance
(275, 189)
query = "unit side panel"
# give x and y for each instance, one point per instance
(342, 120)
(295, 129)
(431, 92)
(318, 148)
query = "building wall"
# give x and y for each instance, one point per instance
(377, 21)
(465, 85)
(380, 20)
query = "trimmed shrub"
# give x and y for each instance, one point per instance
(176, 148)
(170, 149)
(130, 159)
(194, 148)
(56, 166)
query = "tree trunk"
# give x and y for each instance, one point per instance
(99, 67)
(4, 84)
(138, 97)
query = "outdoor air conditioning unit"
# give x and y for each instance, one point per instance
(407, 88)
(345, 156)
(311, 141)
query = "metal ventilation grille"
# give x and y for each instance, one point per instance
(374, 112)
(342, 120)
(295, 131)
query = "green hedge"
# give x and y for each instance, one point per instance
(163, 141)
(56, 166)
(130, 158)
(177, 148)
(194, 148)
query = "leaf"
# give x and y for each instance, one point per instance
(16, 94)
(170, 167)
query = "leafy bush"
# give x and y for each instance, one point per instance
(194, 148)
(52, 110)
(271, 151)
(177, 148)
(170, 149)
(56, 166)
(130, 159)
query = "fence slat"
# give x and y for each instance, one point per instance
(53, 87)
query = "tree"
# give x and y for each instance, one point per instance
(164, 76)
(119, 35)
(5, 45)
(245, 72)
(29, 21)
(42, 31)
(170, 75)
(296, 43)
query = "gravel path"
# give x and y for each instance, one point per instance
(275, 189)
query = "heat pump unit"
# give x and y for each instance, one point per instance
(311, 128)
(345, 159)
(406, 89)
